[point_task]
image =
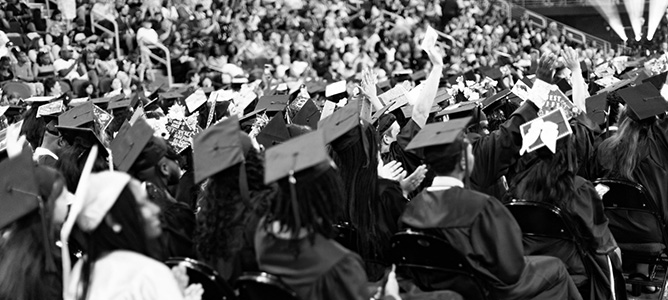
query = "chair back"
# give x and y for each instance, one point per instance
(260, 285)
(17, 87)
(215, 288)
(346, 235)
(434, 264)
(541, 220)
(633, 215)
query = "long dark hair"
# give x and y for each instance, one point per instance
(103, 239)
(23, 256)
(359, 170)
(71, 159)
(319, 195)
(225, 214)
(33, 127)
(545, 176)
(620, 154)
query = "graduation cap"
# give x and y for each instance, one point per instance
(51, 110)
(439, 133)
(195, 101)
(218, 148)
(295, 157)
(459, 110)
(12, 110)
(77, 116)
(657, 80)
(419, 76)
(70, 134)
(336, 91)
(252, 114)
(469, 75)
(40, 100)
(129, 143)
(308, 115)
(644, 101)
(340, 122)
(565, 87)
(597, 108)
(273, 103)
(274, 133)
(170, 95)
(442, 95)
(315, 87)
(101, 102)
(383, 86)
(617, 85)
(494, 102)
(19, 193)
(544, 131)
(119, 104)
(493, 73)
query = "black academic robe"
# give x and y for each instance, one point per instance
(586, 211)
(324, 270)
(482, 229)
(178, 225)
(496, 152)
(408, 159)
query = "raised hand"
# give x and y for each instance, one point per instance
(545, 70)
(391, 171)
(571, 59)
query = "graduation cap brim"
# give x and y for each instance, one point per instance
(296, 156)
(439, 133)
(597, 107)
(251, 115)
(129, 143)
(77, 116)
(340, 122)
(273, 103)
(308, 115)
(644, 101)
(657, 80)
(461, 108)
(19, 194)
(491, 103)
(86, 133)
(217, 149)
(274, 133)
(119, 104)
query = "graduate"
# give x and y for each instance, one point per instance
(233, 200)
(148, 158)
(478, 225)
(113, 211)
(34, 204)
(294, 238)
(549, 160)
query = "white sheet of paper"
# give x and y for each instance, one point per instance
(195, 100)
(327, 110)
(430, 38)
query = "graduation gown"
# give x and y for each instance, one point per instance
(323, 270)
(496, 152)
(178, 225)
(586, 211)
(487, 234)
(409, 160)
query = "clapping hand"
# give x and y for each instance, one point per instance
(412, 182)
(391, 171)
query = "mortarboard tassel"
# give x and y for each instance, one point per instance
(293, 196)
(243, 183)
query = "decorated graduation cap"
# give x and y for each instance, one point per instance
(274, 133)
(195, 100)
(544, 131)
(644, 101)
(442, 95)
(597, 108)
(616, 86)
(79, 123)
(129, 143)
(439, 133)
(336, 91)
(308, 115)
(20, 195)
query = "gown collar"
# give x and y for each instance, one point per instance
(445, 182)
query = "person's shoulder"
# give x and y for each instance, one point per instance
(140, 261)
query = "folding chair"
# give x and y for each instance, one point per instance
(434, 264)
(638, 226)
(543, 226)
(260, 286)
(198, 272)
